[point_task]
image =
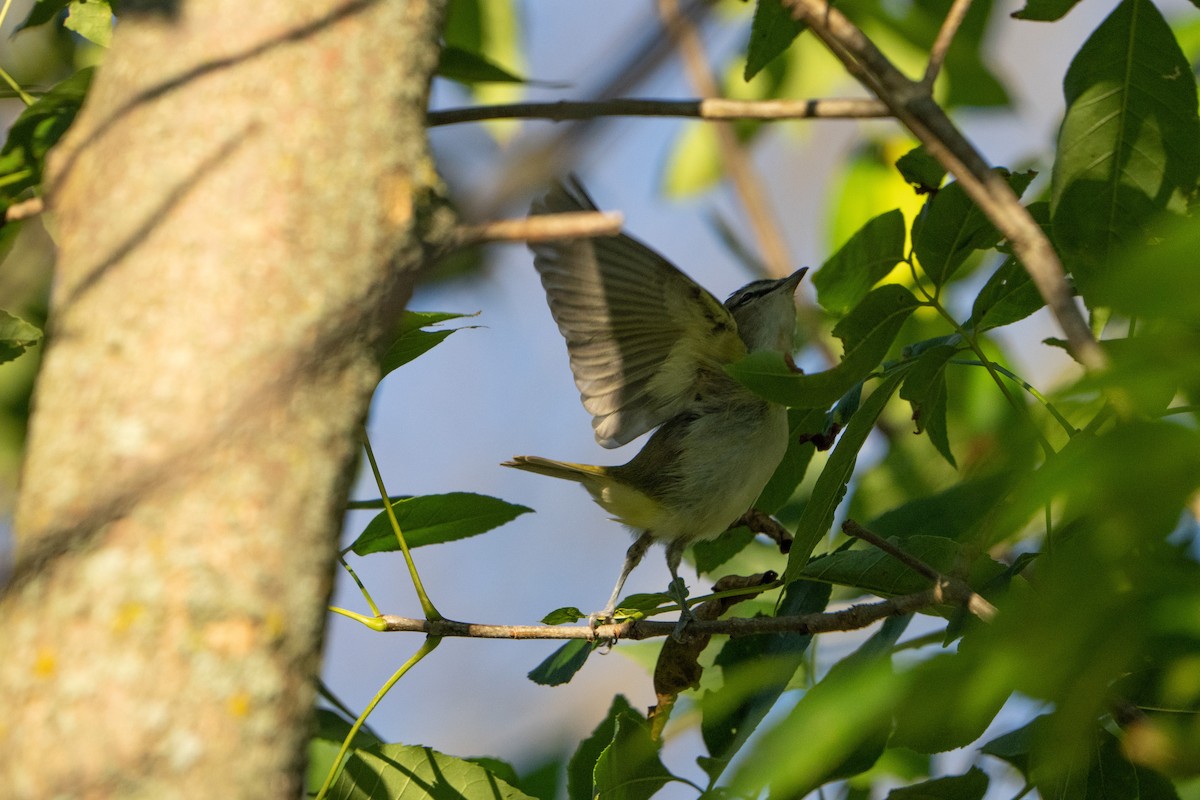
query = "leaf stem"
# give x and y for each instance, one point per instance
(1070, 429)
(376, 623)
(366, 595)
(425, 649)
(427, 607)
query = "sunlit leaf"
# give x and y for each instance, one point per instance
(16, 336)
(91, 19)
(435, 519)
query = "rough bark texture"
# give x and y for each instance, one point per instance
(240, 209)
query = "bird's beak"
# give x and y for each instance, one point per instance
(793, 280)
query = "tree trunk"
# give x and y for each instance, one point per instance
(241, 207)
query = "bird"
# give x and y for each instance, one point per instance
(648, 347)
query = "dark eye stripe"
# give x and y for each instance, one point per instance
(751, 291)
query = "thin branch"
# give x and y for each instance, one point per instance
(848, 619)
(24, 209)
(950, 588)
(937, 53)
(542, 228)
(912, 104)
(712, 108)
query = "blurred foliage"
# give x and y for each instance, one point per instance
(1072, 511)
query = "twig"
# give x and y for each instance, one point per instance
(542, 227)
(912, 104)
(937, 53)
(848, 619)
(24, 209)
(741, 173)
(949, 588)
(713, 108)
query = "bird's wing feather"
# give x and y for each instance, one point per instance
(639, 332)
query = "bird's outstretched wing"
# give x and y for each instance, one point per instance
(641, 335)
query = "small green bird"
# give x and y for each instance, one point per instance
(648, 347)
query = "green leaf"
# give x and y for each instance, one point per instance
(563, 616)
(1045, 10)
(877, 572)
(401, 772)
(757, 670)
(930, 719)
(772, 32)
(870, 254)
(867, 333)
(803, 424)
(561, 665)
(630, 768)
(971, 786)
(434, 519)
(1129, 145)
(465, 66)
(921, 170)
(1008, 296)
(839, 727)
(42, 12)
(830, 488)
(582, 766)
(951, 227)
(1158, 279)
(16, 335)
(712, 553)
(925, 389)
(331, 731)
(91, 19)
(36, 130)
(1106, 773)
(411, 341)
(951, 514)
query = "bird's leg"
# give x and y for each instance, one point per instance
(633, 557)
(678, 590)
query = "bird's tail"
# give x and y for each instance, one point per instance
(581, 473)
